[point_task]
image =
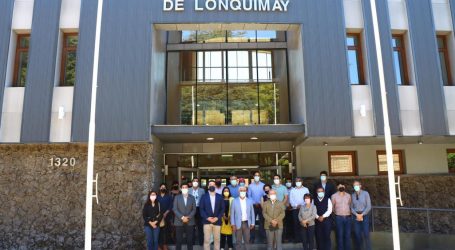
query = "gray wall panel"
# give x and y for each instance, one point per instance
(41, 71)
(6, 16)
(371, 57)
(426, 62)
(123, 102)
(84, 71)
(328, 93)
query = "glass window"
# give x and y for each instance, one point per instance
(271, 36)
(451, 160)
(188, 36)
(68, 67)
(355, 63)
(444, 60)
(241, 36)
(399, 60)
(211, 36)
(342, 163)
(398, 162)
(21, 61)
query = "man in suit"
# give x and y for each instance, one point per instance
(211, 208)
(184, 208)
(323, 182)
(242, 219)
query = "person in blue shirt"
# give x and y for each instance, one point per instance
(255, 194)
(234, 187)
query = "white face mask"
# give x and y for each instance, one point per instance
(257, 178)
(234, 182)
(273, 197)
(298, 184)
(307, 201)
(152, 197)
(195, 184)
(185, 191)
(242, 194)
(288, 184)
(277, 182)
(323, 178)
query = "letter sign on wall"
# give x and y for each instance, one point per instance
(229, 5)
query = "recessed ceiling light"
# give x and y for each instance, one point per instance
(325, 144)
(210, 139)
(254, 138)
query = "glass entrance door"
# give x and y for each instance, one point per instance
(187, 174)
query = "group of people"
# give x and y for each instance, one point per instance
(244, 215)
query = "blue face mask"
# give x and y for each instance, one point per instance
(242, 184)
(233, 182)
(357, 188)
(321, 195)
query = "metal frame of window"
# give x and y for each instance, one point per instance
(353, 154)
(19, 49)
(65, 50)
(445, 51)
(358, 48)
(401, 49)
(401, 160)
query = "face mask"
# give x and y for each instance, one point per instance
(242, 184)
(152, 197)
(288, 184)
(307, 201)
(234, 182)
(298, 184)
(218, 183)
(323, 178)
(195, 184)
(357, 188)
(257, 178)
(163, 190)
(267, 192)
(277, 182)
(185, 191)
(341, 189)
(226, 194)
(321, 195)
(212, 189)
(273, 197)
(243, 194)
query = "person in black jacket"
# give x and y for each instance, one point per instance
(323, 182)
(152, 217)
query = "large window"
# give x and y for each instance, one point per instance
(444, 60)
(399, 60)
(355, 63)
(68, 66)
(234, 87)
(342, 163)
(398, 162)
(21, 60)
(451, 160)
(230, 36)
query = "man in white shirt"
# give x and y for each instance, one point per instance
(296, 201)
(323, 221)
(242, 219)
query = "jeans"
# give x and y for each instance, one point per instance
(362, 233)
(260, 235)
(343, 229)
(179, 230)
(152, 235)
(274, 236)
(297, 228)
(226, 238)
(308, 238)
(323, 230)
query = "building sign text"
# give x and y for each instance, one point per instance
(229, 5)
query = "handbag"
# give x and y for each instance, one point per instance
(162, 222)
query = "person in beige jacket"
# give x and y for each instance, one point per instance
(273, 212)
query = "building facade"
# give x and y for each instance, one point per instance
(214, 88)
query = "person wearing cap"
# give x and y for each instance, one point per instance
(341, 202)
(296, 201)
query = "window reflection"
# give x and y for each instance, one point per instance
(231, 36)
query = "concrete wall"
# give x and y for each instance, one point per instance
(419, 159)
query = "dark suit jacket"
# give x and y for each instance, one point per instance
(181, 210)
(205, 208)
(329, 189)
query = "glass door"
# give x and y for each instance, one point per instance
(267, 173)
(187, 174)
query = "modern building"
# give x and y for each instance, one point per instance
(213, 88)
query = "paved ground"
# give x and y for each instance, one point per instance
(383, 241)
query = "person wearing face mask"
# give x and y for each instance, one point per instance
(184, 208)
(255, 193)
(242, 219)
(324, 183)
(323, 220)
(219, 188)
(212, 210)
(307, 214)
(360, 209)
(281, 190)
(165, 201)
(226, 228)
(296, 201)
(274, 212)
(152, 217)
(265, 197)
(341, 202)
(242, 182)
(197, 193)
(234, 187)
